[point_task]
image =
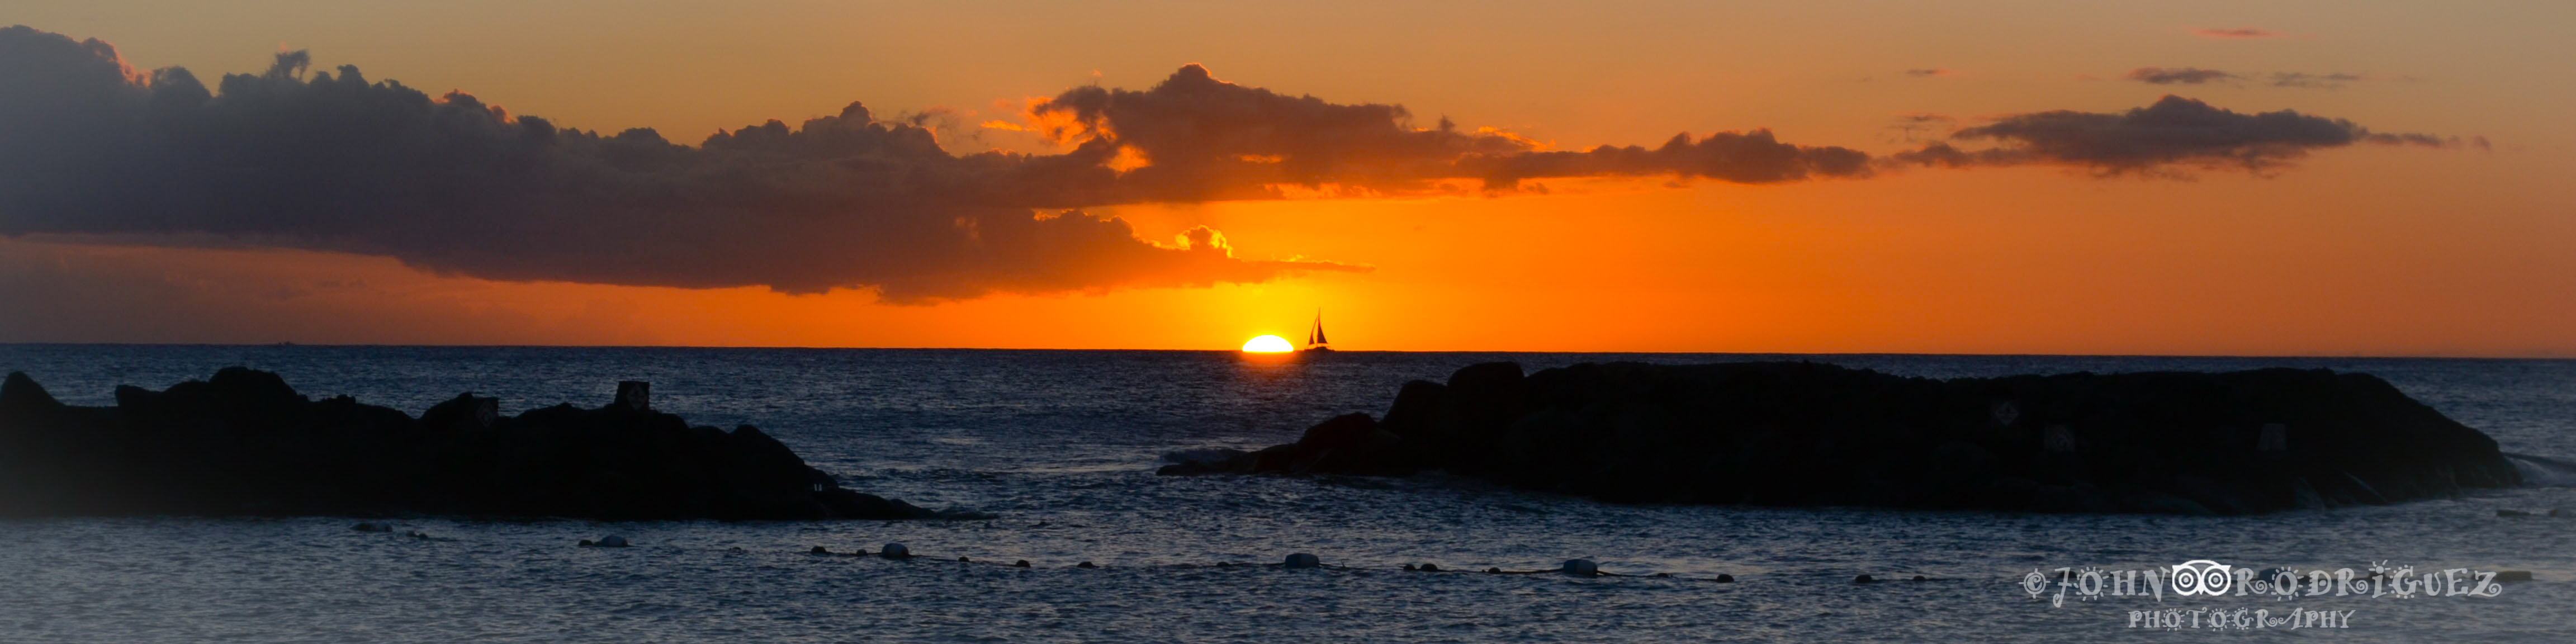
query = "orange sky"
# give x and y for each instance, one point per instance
(2359, 250)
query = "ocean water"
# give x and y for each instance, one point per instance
(1061, 446)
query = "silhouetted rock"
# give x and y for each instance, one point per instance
(243, 442)
(1580, 568)
(1781, 433)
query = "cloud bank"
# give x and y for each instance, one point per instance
(336, 162)
(93, 149)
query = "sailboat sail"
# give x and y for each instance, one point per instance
(1318, 336)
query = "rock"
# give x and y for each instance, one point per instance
(1085, 564)
(1580, 568)
(1922, 578)
(895, 551)
(1430, 567)
(963, 558)
(1410, 567)
(1493, 571)
(1799, 434)
(257, 447)
(363, 526)
(819, 550)
(1023, 563)
(635, 395)
(1724, 578)
(1864, 579)
(611, 541)
(1303, 560)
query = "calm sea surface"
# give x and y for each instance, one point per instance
(1061, 445)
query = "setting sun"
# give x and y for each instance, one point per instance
(1267, 344)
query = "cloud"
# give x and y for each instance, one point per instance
(295, 158)
(92, 149)
(2198, 76)
(2235, 33)
(1200, 138)
(2320, 81)
(2183, 75)
(2174, 132)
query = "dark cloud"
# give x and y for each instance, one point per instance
(1202, 138)
(292, 157)
(2321, 81)
(333, 161)
(2236, 33)
(2183, 75)
(2174, 132)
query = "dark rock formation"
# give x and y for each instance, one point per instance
(1783, 433)
(244, 443)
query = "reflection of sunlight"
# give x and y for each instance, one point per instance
(1267, 344)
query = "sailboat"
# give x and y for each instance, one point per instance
(1315, 338)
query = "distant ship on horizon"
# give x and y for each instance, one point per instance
(1315, 337)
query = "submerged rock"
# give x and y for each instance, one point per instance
(1802, 434)
(243, 442)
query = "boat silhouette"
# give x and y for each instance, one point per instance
(1315, 337)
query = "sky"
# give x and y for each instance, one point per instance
(2208, 178)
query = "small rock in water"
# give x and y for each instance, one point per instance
(1493, 571)
(896, 551)
(1023, 563)
(587, 543)
(1582, 567)
(1410, 567)
(819, 550)
(1663, 574)
(612, 541)
(964, 559)
(1724, 578)
(1863, 579)
(1431, 567)
(372, 527)
(1085, 564)
(1921, 578)
(1303, 560)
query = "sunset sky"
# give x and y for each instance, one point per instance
(2259, 178)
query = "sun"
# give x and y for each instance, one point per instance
(1267, 344)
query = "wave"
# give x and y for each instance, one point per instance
(2543, 471)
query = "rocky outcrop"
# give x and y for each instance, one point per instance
(1781, 433)
(244, 443)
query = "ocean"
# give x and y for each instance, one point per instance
(1060, 446)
